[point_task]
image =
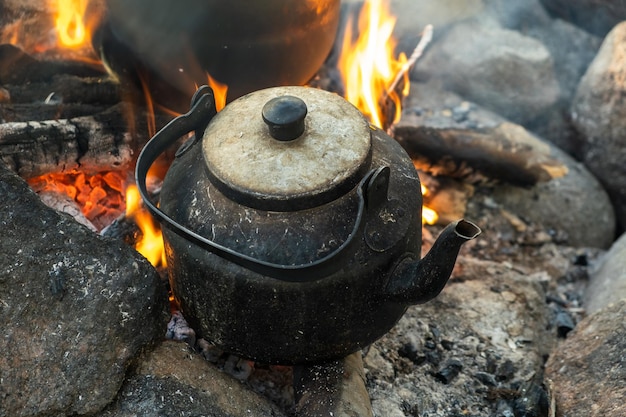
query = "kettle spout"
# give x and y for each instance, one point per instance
(418, 281)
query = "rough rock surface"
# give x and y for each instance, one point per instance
(485, 333)
(587, 370)
(517, 15)
(572, 50)
(607, 280)
(595, 16)
(500, 69)
(599, 113)
(76, 309)
(557, 205)
(413, 15)
(173, 380)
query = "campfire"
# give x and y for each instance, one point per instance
(374, 81)
(77, 106)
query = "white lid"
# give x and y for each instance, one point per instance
(249, 164)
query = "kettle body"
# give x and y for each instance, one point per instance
(288, 272)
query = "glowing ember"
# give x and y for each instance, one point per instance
(69, 22)
(99, 196)
(368, 66)
(151, 243)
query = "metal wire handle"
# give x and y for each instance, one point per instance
(202, 111)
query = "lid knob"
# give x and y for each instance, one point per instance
(284, 116)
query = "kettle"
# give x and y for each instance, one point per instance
(292, 227)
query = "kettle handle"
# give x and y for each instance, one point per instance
(202, 111)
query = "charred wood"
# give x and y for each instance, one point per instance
(18, 67)
(101, 142)
(51, 110)
(505, 153)
(67, 88)
(91, 143)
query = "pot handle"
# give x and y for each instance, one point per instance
(202, 111)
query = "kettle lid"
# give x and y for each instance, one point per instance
(287, 148)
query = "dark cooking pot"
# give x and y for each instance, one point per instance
(292, 226)
(247, 45)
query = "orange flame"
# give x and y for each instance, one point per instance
(368, 66)
(151, 243)
(69, 23)
(429, 216)
(11, 33)
(369, 71)
(150, 115)
(219, 90)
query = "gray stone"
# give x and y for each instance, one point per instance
(456, 137)
(599, 114)
(517, 15)
(173, 380)
(413, 15)
(570, 47)
(500, 69)
(572, 50)
(560, 207)
(76, 309)
(490, 318)
(607, 279)
(587, 372)
(595, 16)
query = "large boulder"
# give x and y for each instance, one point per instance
(500, 69)
(587, 371)
(607, 280)
(75, 308)
(595, 16)
(413, 15)
(599, 114)
(173, 380)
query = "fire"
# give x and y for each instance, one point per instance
(70, 24)
(151, 243)
(219, 90)
(99, 196)
(150, 115)
(11, 33)
(370, 72)
(102, 198)
(429, 216)
(368, 66)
